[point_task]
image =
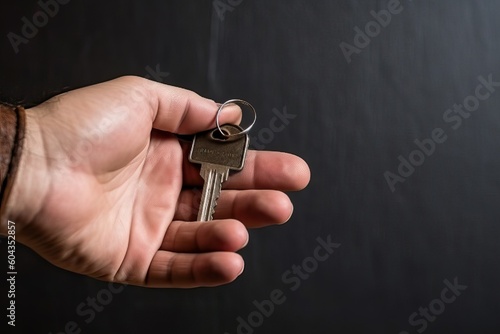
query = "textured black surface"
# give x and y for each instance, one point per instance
(351, 122)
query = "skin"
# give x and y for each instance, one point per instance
(104, 187)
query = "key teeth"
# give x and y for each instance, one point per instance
(214, 206)
(212, 211)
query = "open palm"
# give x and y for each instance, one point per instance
(111, 191)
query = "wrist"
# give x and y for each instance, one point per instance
(12, 128)
(23, 198)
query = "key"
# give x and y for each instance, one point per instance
(217, 156)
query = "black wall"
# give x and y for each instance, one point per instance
(399, 248)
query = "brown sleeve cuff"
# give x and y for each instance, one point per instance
(12, 127)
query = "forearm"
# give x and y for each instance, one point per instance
(12, 129)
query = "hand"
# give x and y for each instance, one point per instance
(104, 187)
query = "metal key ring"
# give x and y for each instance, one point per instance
(235, 101)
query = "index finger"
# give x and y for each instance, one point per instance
(263, 170)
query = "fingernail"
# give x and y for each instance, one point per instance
(291, 214)
(242, 268)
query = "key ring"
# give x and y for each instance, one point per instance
(242, 132)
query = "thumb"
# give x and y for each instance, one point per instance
(182, 111)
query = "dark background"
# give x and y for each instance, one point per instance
(353, 120)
